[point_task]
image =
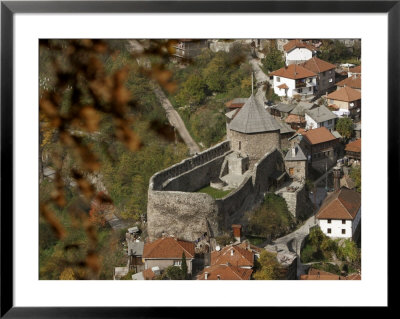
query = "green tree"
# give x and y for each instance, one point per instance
(215, 73)
(355, 174)
(268, 267)
(273, 60)
(193, 91)
(173, 273)
(344, 126)
(184, 266)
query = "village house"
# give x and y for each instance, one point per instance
(325, 74)
(346, 101)
(294, 80)
(353, 82)
(319, 146)
(188, 49)
(353, 150)
(233, 262)
(354, 71)
(281, 110)
(320, 116)
(296, 121)
(148, 274)
(167, 251)
(297, 51)
(317, 274)
(340, 214)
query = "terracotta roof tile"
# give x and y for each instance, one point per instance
(168, 247)
(343, 204)
(316, 274)
(294, 72)
(345, 94)
(354, 146)
(292, 118)
(317, 65)
(148, 274)
(225, 272)
(356, 69)
(283, 86)
(292, 44)
(318, 135)
(241, 257)
(353, 82)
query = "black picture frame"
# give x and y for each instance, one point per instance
(9, 8)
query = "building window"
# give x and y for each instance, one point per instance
(240, 145)
(329, 221)
(177, 263)
(343, 221)
(329, 231)
(343, 231)
(309, 88)
(278, 79)
(329, 122)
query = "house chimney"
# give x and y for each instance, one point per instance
(232, 252)
(294, 151)
(218, 277)
(205, 275)
(237, 232)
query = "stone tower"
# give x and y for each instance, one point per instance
(253, 132)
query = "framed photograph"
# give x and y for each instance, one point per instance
(209, 151)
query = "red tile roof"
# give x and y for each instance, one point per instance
(292, 118)
(354, 146)
(316, 274)
(317, 65)
(297, 44)
(293, 72)
(318, 135)
(356, 69)
(283, 86)
(225, 272)
(148, 274)
(345, 94)
(343, 204)
(168, 247)
(353, 82)
(240, 257)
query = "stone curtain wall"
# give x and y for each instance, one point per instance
(188, 215)
(184, 215)
(157, 180)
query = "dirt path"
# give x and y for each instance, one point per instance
(172, 115)
(175, 120)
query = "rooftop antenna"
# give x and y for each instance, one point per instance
(252, 85)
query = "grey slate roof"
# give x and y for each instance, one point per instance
(336, 134)
(253, 118)
(284, 127)
(302, 107)
(135, 248)
(231, 114)
(285, 108)
(298, 157)
(321, 114)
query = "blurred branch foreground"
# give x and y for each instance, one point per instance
(81, 93)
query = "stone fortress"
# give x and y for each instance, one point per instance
(249, 164)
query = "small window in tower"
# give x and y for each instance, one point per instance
(240, 145)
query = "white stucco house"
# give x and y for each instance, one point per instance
(297, 51)
(320, 116)
(294, 80)
(340, 214)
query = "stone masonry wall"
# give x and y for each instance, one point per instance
(184, 215)
(299, 169)
(254, 145)
(158, 180)
(298, 202)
